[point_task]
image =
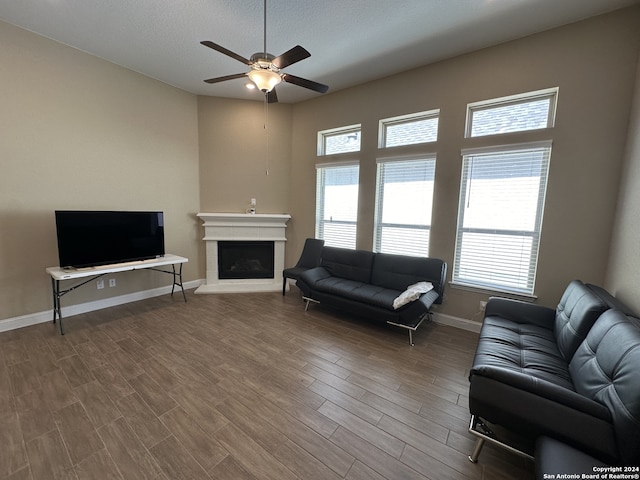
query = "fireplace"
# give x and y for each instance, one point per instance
(237, 245)
(245, 260)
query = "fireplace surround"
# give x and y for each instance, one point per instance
(236, 230)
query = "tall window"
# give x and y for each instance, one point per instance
(404, 187)
(404, 201)
(500, 217)
(337, 204)
(502, 195)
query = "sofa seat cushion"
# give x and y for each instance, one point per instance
(523, 348)
(358, 291)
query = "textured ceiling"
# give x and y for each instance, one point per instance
(351, 41)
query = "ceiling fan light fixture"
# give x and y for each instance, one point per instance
(265, 80)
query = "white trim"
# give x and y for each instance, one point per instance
(72, 310)
(545, 92)
(551, 93)
(332, 132)
(506, 148)
(407, 158)
(345, 163)
(408, 118)
(457, 322)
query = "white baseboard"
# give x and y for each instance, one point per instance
(462, 323)
(47, 316)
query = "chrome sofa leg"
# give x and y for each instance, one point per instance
(476, 450)
(308, 301)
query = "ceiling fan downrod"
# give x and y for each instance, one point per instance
(265, 29)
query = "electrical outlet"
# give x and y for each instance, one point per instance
(100, 284)
(253, 202)
(112, 282)
(483, 305)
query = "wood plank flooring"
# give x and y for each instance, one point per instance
(236, 386)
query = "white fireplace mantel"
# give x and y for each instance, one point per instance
(243, 227)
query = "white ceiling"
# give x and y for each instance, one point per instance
(351, 41)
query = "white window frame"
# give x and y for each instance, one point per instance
(320, 222)
(379, 225)
(334, 132)
(402, 119)
(488, 282)
(551, 93)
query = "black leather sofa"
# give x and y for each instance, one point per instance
(554, 459)
(571, 374)
(366, 284)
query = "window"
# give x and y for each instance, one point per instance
(500, 217)
(339, 140)
(409, 129)
(337, 204)
(529, 111)
(404, 200)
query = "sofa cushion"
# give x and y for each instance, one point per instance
(576, 313)
(349, 264)
(523, 348)
(358, 291)
(397, 272)
(605, 368)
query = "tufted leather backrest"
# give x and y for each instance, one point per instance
(346, 263)
(577, 311)
(606, 368)
(399, 271)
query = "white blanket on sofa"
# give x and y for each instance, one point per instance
(412, 293)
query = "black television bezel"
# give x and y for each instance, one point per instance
(106, 255)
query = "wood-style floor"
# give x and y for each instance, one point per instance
(238, 386)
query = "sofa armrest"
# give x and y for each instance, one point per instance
(544, 389)
(520, 312)
(313, 275)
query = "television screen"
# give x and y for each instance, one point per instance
(91, 238)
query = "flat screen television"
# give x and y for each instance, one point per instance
(92, 238)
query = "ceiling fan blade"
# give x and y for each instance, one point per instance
(303, 82)
(290, 57)
(225, 51)
(272, 96)
(225, 78)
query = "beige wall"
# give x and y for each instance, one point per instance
(594, 65)
(77, 132)
(240, 159)
(623, 276)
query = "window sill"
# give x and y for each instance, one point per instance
(493, 291)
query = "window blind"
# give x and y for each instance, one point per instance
(500, 217)
(404, 202)
(337, 204)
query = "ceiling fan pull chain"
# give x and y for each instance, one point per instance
(266, 130)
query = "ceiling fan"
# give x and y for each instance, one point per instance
(266, 69)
